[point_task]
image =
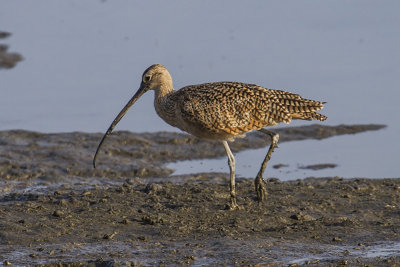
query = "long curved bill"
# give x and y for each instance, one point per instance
(138, 94)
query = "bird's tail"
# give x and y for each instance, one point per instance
(309, 116)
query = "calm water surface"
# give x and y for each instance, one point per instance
(84, 60)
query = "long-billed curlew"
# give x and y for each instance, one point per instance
(222, 111)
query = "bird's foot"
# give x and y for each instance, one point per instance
(260, 186)
(232, 205)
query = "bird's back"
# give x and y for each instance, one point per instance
(223, 110)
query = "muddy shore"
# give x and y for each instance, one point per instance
(56, 209)
(7, 60)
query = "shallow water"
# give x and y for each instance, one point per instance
(83, 61)
(348, 152)
(282, 253)
(383, 249)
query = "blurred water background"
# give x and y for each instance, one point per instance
(84, 60)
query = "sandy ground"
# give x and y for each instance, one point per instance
(56, 210)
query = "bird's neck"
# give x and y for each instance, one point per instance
(164, 105)
(162, 91)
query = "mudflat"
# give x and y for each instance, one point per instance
(7, 60)
(55, 209)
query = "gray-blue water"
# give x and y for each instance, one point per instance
(289, 253)
(84, 60)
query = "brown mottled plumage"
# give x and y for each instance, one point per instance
(222, 111)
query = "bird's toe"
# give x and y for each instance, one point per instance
(260, 187)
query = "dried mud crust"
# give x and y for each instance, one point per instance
(316, 212)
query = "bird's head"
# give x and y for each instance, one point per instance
(154, 77)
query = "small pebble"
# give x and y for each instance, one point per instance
(152, 188)
(58, 213)
(86, 193)
(109, 236)
(62, 202)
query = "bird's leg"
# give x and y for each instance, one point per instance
(259, 181)
(231, 163)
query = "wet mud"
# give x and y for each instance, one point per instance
(55, 209)
(33, 156)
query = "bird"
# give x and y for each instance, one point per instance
(222, 111)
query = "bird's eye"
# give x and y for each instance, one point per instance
(146, 78)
